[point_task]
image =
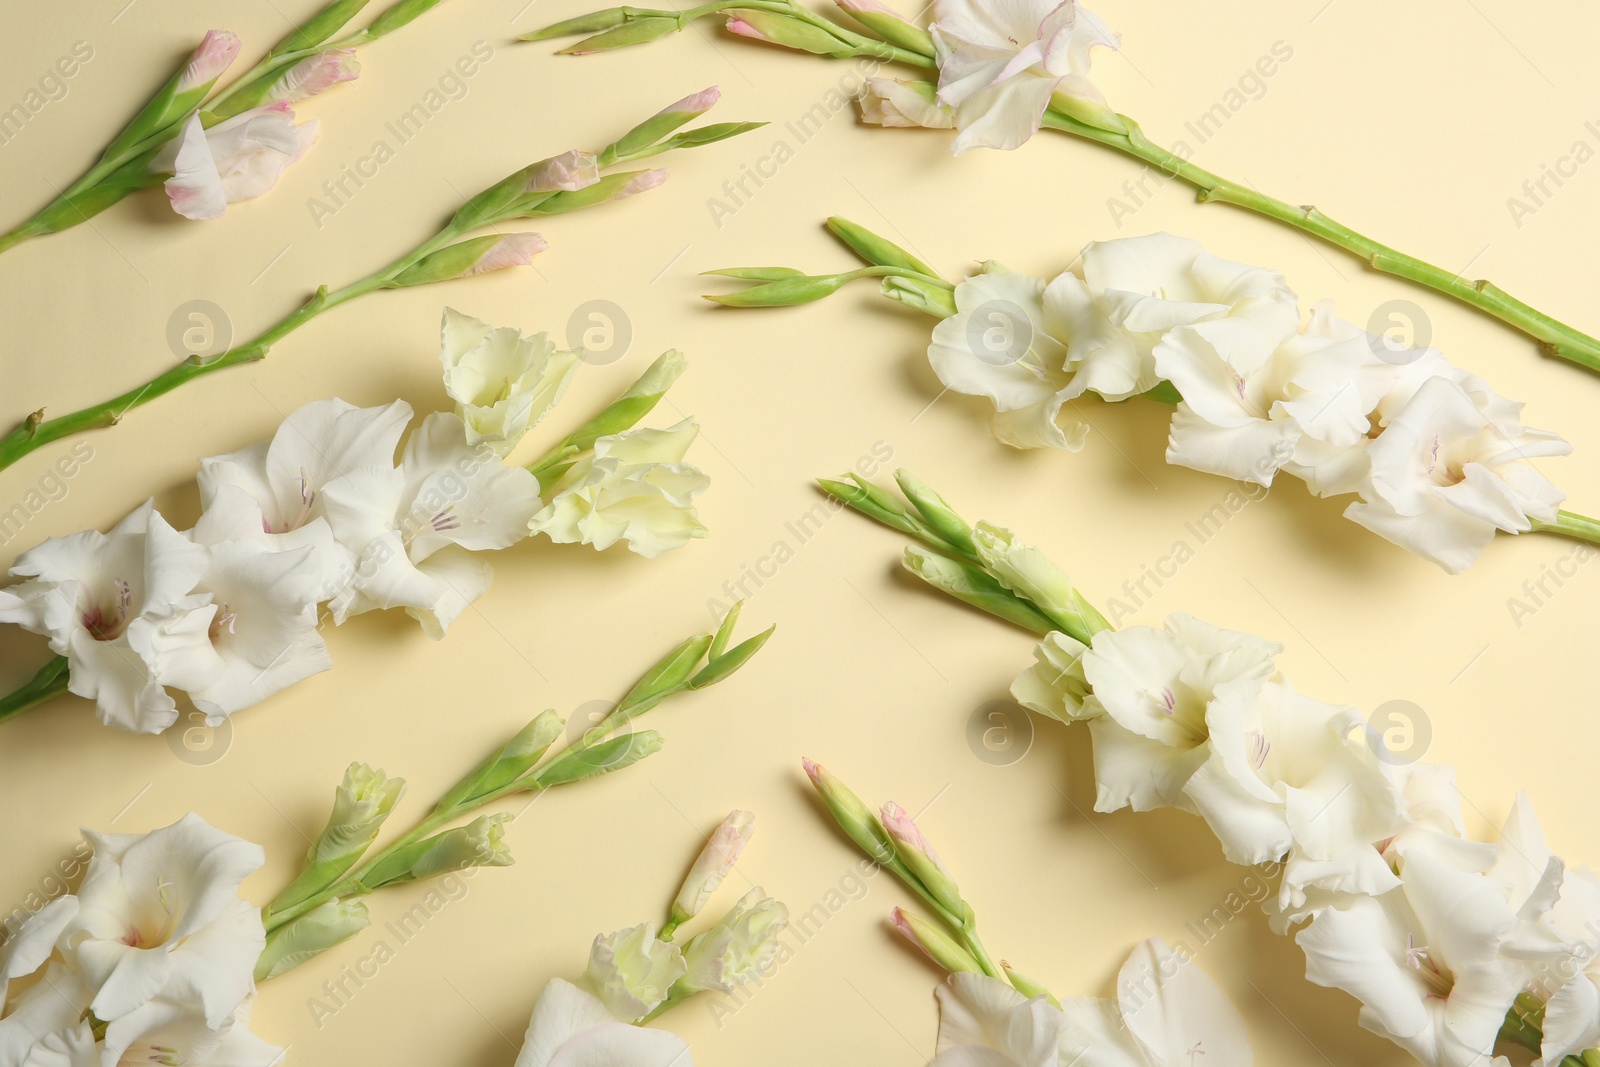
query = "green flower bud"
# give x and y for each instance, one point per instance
(874, 503)
(940, 515)
(935, 942)
(593, 22)
(788, 31)
(643, 136)
(310, 935)
(874, 249)
(318, 27)
(361, 803)
(888, 24)
(397, 16)
(921, 296)
(480, 843)
(182, 94)
(632, 32)
(923, 863)
(971, 585)
(580, 764)
(474, 256)
(639, 400)
(515, 758)
(1027, 986)
(785, 292)
(670, 674)
(757, 274)
(854, 817)
(721, 666)
(1031, 573)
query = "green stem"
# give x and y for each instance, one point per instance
(861, 44)
(37, 431)
(1554, 336)
(49, 683)
(1571, 524)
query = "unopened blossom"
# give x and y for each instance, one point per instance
(1000, 65)
(502, 382)
(315, 74)
(122, 608)
(635, 487)
(713, 863)
(237, 159)
(572, 1026)
(570, 171)
(632, 970)
(414, 528)
(1454, 466)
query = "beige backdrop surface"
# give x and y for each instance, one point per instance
(1415, 122)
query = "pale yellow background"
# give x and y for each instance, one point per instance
(1413, 121)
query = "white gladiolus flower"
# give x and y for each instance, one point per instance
(1000, 65)
(1452, 468)
(740, 948)
(237, 159)
(276, 486)
(1283, 779)
(265, 626)
(1154, 688)
(502, 382)
(1166, 1010)
(635, 487)
(1425, 959)
(413, 528)
(156, 945)
(892, 102)
(632, 970)
(122, 608)
(570, 1026)
(1055, 685)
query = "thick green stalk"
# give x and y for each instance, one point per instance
(1554, 336)
(37, 431)
(1571, 524)
(49, 683)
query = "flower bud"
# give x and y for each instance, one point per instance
(318, 27)
(1031, 573)
(875, 249)
(577, 765)
(216, 53)
(853, 816)
(315, 74)
(726, 663)
(1056, 684)
(785, 292)
(634, 31)
(920, 296)
(1027, 986)
(786, 30)
(971, 585)
(610, 187)
(182, 93)
(639, 400)
(361, 803)
(474, 256)
(716, 859)
(396, 16)
(632, 970)
(889, 24)
(593, 22)
(669, 674)
(310, 935)
(939, 515)
(740, 948)
(934, 942)
(480, 843)
(514, 759)
(659, 125)
(572, 169)
(923, 862)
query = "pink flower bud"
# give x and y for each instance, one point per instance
(512, 250)
(315, 74)
(870, 6)
(695, 103)
(813, 770)
(216, 53)
(716, 859)
(648, 180)
(570, 170)
(906, 833)
(744, 29)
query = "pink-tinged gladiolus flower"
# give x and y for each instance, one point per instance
(216, 53)
(716, 859)
(570, 170)
(648, 180)
(512, 250)
(316, 74)
(238, 159)
(906, 833)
